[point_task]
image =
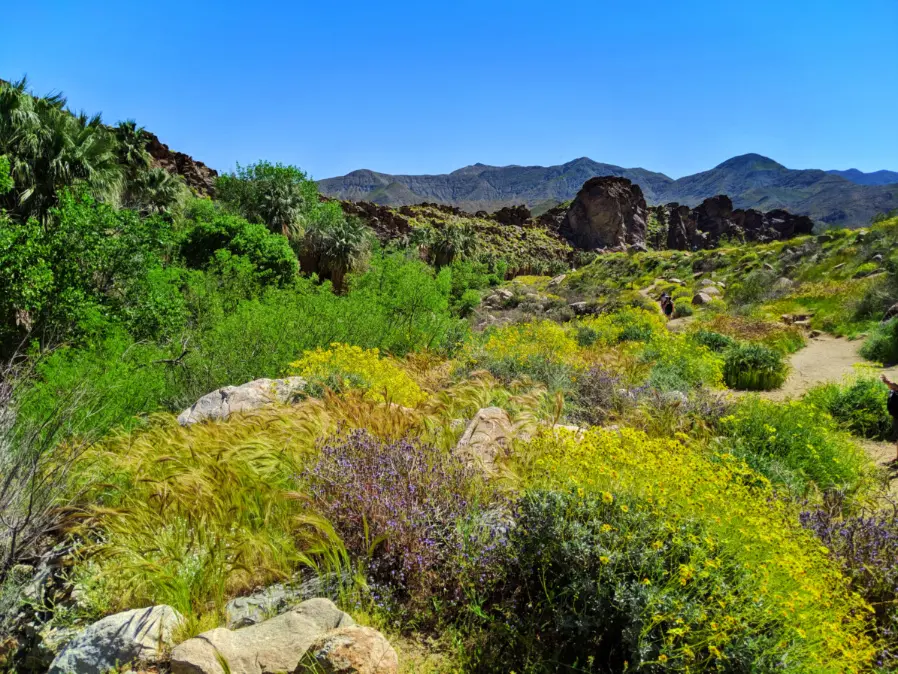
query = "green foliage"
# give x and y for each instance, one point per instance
(860, 406)
(50, 149)
(713, 340)
(754, 367)
(796, 445)
(753, 288)
(468, 279)
(6, 181)
(210, 231)
(275, 195)
(337, 245)
(881, 345)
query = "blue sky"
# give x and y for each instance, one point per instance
(672, 85)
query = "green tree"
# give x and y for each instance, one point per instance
(5, 179)
(278, 196)
(339, 245)
(450, 242)
(49, 148)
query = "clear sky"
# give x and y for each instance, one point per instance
(427, 87)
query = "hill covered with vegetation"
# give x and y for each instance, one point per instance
(489, 445)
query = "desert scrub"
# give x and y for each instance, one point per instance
(797, 446)
(626, 325)
(819, 625)
(881, 345)
(678, 364)
(343, 367)
(712, 340)
(419, 520)
(859, 406)
(542, 350)
(595, 581)
(784, 338)
(753, 367)
(192, 516)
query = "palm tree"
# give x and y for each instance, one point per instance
(450, 242)
(132, 146)
(50, 149)
(340, 246)
(153, 190)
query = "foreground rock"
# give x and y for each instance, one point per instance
(608, 212)
(223, 402)
(139, 635)
(486, 439)
(279, 598)
(276, 645)
(351, 650)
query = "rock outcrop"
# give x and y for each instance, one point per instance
(512, 215)
(196, 174)
(223, 402)
(139, 635)
(315, 633)
(351, 650)
(278, 599)
(387, 223)
(715, 219)
(608, 212)
(486, 439)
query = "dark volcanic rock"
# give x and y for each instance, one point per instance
(607, 212)
(512, 215)
(196, 174)
(386, 223)
(680, 227)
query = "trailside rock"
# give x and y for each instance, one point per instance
(351, 650)
(139, 635)
(279, 598)
(607, 212)
(276, 645)
(487, 437)
(701, 298)
(223, 402)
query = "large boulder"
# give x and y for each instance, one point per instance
(276, 645)
(512, 215)
(608, 212)
(223, 402)
(680, 227)
(486, 439)
(139, 635)
(351, 650)
(279, 598)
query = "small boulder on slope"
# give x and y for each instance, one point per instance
(223, 402)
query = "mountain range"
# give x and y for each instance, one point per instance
(843, 198)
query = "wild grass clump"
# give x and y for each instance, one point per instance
(713, 340)
(881, 345)
(797, 446)
(677, 364)
(419, 520)
(754, 367)
(192, 516)
(860, 406)
(343, 367)
(791, 604)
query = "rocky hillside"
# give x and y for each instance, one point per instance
(848, 198)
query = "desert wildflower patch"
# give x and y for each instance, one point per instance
(343, 367)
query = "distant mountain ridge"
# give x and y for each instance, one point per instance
(846, 198)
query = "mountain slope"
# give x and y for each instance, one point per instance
(485, 187)
(874, 178)
(751, 180)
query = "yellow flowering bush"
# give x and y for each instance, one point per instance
(344, 367)
(794, 590)
(630, 324)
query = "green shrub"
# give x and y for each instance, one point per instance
(713, 340)
(860, 406)
(881, 345)
(683, 309)
(795, 445)
(753, 367)
(213, 231)
(594, 583)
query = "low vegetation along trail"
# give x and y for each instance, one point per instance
(827, 359)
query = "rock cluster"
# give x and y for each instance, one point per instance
(223, 402)
(196, 174)
(315, 636)
(515, 216)
(715, 218)
(387, 223)
(608, 212)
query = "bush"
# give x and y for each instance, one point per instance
(753, 367)
(343, 367)
(787, 574)
(410, 513)
(859, 406)
(677, 364)
(795, 445)
(624, 325)
(595, 581)
(712, 340)
(881, 346)
(866, 548)
(213, 231)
